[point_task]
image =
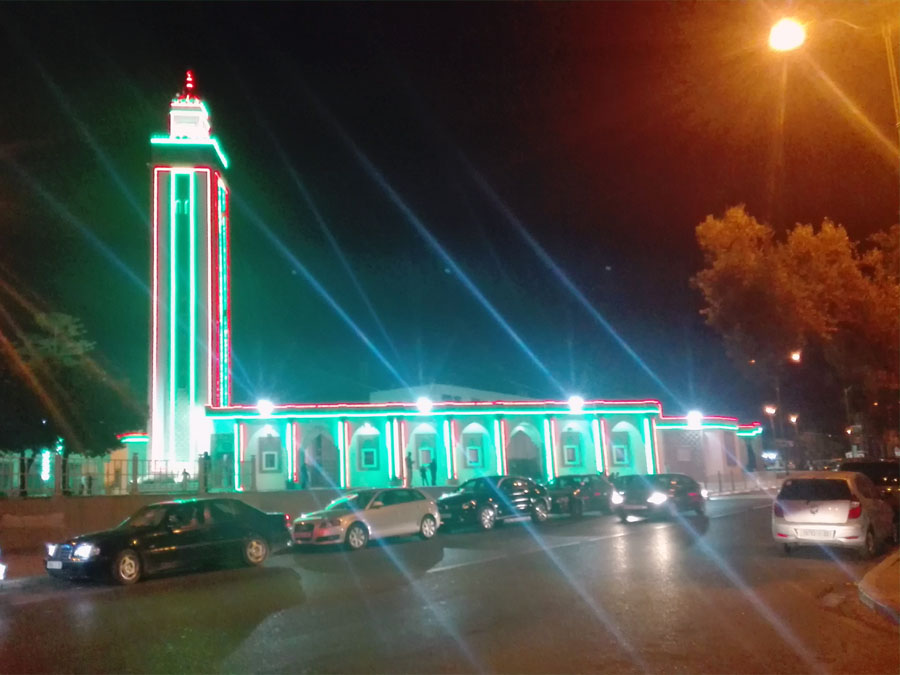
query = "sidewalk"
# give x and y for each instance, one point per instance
(880, 588)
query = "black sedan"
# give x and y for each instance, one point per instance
(664, 494)
(576, 494)
(178, 534)
(485, 501)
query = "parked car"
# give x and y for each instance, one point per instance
(833, 508)
(369, 514)
(885, 475)
(576, 494)
(663, 494)
(491, 499)
(169, 535)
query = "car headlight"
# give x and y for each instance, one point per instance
(85, 551)
(330, 522)
(657, 498)
(468, 505)
(704, 493)
(2, 571)
(51, 550)
(617, 497)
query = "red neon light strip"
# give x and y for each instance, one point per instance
(402, 445)
(456, 438)
(504, 439)
(297, 433)
(442, 404)
(210, 392)
(228, 286)
(605, 441)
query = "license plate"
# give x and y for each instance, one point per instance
(304, 535)
(54, 565)
(816, 534)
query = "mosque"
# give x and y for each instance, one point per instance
(462, 432)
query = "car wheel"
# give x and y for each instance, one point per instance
(487, 517)
(357, 536)
(126, 568)
(428, 527)
(576, 508)
(622, 516)
(870, 546)
(539, 512)
(256, 550)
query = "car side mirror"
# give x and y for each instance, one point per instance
(376, 505)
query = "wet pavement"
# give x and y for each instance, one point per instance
(591, 595)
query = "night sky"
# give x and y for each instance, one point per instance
(455, 154)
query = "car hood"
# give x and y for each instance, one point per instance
(455, 499)
(319, 515)
(106, 536)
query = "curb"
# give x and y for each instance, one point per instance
(873, 598)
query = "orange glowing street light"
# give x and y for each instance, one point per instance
(786, 35)
(796, 355)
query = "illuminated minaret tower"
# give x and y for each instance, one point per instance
(190, 342)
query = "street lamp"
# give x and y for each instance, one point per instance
(786, 35)
(796, 355)
(793, 418)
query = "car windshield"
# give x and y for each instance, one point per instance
(659, 482)
(149, 516)
(881, 473)
(356, 501)
(474, 485)
(567, 482)
(814, 489)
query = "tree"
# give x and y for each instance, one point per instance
(817, 288)
(58, 392)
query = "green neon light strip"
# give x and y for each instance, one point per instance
(548, 449)
(211, 143)
(389, 446)
(448, 449)
(755, 432)
(648, 448)
(224, 363)
(135, 439)
(192, 285)
(173, 263)
(598, 444)
(342, 458)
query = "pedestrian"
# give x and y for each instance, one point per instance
(409, 469)
(423, 472)
(304, 475)
(433, 468)
(185, 477)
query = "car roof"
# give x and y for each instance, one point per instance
(819, 475)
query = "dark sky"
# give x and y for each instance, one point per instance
(602, 132)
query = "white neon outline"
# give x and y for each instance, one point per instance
(448, 448)
(389, 446)
(212, 142)
(648, 447)
(598, 444)
(548, 449)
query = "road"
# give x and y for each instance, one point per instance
(571, 596)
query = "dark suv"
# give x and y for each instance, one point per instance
(484, 501)
(885, 474)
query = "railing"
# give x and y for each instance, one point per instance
(735, 480)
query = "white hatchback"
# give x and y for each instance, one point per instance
(831, 508)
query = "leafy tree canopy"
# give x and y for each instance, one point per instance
(815, 288)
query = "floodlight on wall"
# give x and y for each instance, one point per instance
(576, 404)
(424, 404)
(265, 407)
(695, 420)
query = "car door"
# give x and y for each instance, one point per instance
(409, 506)
(379, 515)
(515, 497)
(880, 515)
(182, 541)
(226, 530)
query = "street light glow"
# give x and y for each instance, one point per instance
(265, 407)
(424, 404)
(770, 409)
(695, 419)
(793, 418)
(786, 35)
(576, 404)
(796, 355)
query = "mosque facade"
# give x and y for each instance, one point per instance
(283, 446)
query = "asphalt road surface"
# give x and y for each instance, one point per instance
(571, 596)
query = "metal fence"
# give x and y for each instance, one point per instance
(735, 480)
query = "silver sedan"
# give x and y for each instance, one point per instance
(359, 516)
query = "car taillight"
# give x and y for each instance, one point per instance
(777, 511)
(855, 509)
(598, 494)
(287, 520)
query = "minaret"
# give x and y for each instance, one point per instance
(190, 342)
